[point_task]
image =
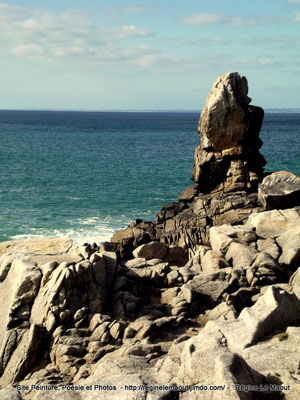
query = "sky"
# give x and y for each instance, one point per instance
(146, 55)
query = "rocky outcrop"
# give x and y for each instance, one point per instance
(202, 303)
(147, 321)
(227, 170)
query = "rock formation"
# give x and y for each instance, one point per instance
(203, 303)
(228, 158)
(227, 169)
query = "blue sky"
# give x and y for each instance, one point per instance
(135, 55)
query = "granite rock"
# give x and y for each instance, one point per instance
(280, 190)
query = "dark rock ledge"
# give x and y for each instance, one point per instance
(208, 294)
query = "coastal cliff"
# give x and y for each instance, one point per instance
(202, 303)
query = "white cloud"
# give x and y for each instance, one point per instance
(229, 20)
(72, 35)
(203, 19)
(127, 31)
(205, 41)
(134, 8)
(27, 50)
(293, 2)
(158, 60)
(8, 11)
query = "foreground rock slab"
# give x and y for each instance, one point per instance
(51, 245)
(280, 190)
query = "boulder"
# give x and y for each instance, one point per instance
(269, 246)
(289, 241)
(17, 294)
(295, 278)
(153, 271)
(212, 260)
(221, 311)
(271, 224)
(206, 360)
(188, 194)
(126, 240)
(151, 250)
(240, 255)
(239, 351)
(221, 237)
(208, 287)
(70, 291)
(37, 251)
(275, 310)
(280, 190)
(24, 357)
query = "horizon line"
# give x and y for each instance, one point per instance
(290, 109)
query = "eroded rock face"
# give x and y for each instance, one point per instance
(228, 158)
(224, 121)
(280, 190)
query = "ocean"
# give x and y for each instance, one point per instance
(88, 174)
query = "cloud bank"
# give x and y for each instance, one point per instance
(227, 20)
(73, 35)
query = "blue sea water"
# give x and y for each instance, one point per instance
(88, 174)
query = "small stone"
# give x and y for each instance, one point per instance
(129, 333)
(106, 338)
(80, 313)
(99, 331)
(50, 322)
(95, 321)
(116, 330)
(59, 331)
(64, 315)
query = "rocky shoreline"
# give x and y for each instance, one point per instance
(203, 303)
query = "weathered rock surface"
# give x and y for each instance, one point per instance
(151, 250)
(154, 323)
(271, 224)
(280, 190)
(209, 294)
(228, 157)
(51, 246)
(18, 292)
(223, 121)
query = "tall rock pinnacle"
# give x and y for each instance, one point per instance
(228, 158)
